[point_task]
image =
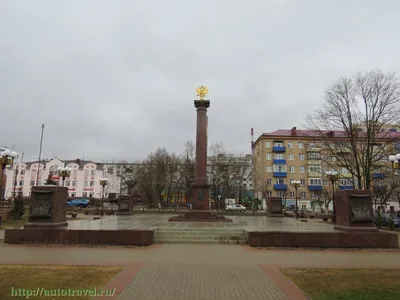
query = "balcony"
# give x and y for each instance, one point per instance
(315, 187)
(280, 187)
(347, 187)
(280, 161)
(378, 176)
(280, 174)
(278, 149)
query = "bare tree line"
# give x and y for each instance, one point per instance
(165, 178)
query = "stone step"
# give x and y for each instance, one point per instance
(189, 233)
(200, 237)
(180, 229)
(170, 241)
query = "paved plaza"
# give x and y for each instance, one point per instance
(185, 271)
(160, 220)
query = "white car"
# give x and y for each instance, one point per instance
(236, 207)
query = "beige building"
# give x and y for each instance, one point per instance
(282, 156)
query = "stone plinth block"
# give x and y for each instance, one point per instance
(47, 207)
(275, 207)
(201, 196)
(200, 216)
(125, 205)
(354, 211)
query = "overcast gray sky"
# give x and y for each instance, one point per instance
(118, 78)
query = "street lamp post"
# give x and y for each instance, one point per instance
(103, 183)
(63, 173)
(395, 159)
(6, 158)
(296, 185)
(333, 177)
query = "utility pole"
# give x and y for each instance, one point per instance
(40, 156)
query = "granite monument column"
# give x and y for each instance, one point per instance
(200, 187)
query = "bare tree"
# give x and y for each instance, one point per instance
(353, 125)
(187, 169)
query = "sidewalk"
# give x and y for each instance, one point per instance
(200, 271)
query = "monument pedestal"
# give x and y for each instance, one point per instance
(125, 205)
(275, 207)
(354, 211)
(47, 207)
(200, 216)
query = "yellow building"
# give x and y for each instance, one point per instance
(282, 156)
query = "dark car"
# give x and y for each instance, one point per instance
(78, 202)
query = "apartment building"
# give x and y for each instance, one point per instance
(84, 180)
(282, 156)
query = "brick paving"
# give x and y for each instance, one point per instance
(199, 271)
(199, 281)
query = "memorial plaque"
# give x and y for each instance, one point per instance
(124, 206)
(200, 195)
(359, 209)
(276, 207)
(41, 204)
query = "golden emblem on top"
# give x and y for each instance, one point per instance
(202, 92)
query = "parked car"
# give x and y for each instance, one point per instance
(385, 219)
(78, 202)
(236, 207)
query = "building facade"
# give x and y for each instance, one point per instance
(84, 180)
(283, 156)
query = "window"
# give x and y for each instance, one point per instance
(278, 144)
(90, 195)
(280, 156)
(291, 169)
(302, 181)
(300, 145)
(314, 169)
(281, 194)
(75, 173)
(92, 183)
(345, 182)
(86, 173)
(302, 195)
(314, 156)
(267, 144)
(301, 156)
(93, 173)
(344, 171)
(269, 169)
(315, 181)
(21, 183)
(291, 156)
(39, 182)
(280, 181)
(67, 183)
(73, 184)
(269, 193)
(268, 181)
(279, 168)
(32, 183)
(291, 194)
(84, 194)
(268, 156)
(22, 172)
(290, 145)
(85, 184)
(302, 169)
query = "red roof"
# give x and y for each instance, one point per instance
(315, 133)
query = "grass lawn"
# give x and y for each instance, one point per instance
(54, 277)
(13, 224)
(343, 284)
